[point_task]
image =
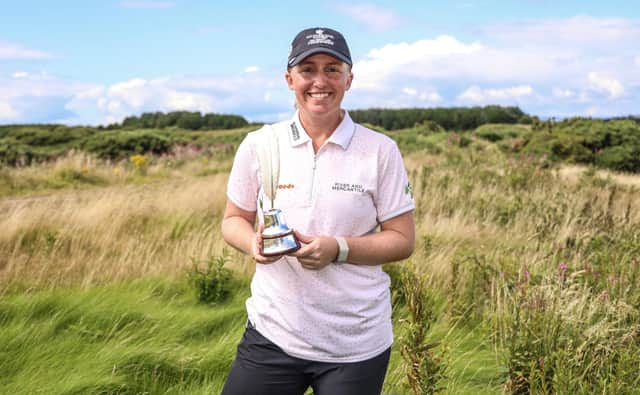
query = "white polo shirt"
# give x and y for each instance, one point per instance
(356, 180)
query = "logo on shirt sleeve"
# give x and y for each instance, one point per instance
(408, 190)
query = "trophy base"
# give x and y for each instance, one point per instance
(280, 245)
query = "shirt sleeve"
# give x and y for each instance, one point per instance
(394, 194)
(244, 184)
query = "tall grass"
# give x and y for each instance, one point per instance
(111, 233)
(126, 338)
(532, 272)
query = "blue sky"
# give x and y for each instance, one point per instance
(95, 62)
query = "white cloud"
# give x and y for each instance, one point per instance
(475, 94)
(421, 58)
(581, 29)
(231, 94)
(516, 61)
(147, 4)
(41, 76)
(603, 83)
(374, 17)
(409, 91)
(114, 107)
(6, 111)
(138, 95)
(11, 51)
(94, 92)
(563, 93)
(251, 69)
(431, 97)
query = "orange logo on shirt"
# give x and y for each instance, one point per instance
(286, 186)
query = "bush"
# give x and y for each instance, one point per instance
(497, 132)
(116, 145)
(212, 282)
(13, 154)
(621, 158)
(427, 128)
(611, 144)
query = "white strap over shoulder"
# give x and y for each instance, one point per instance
(268, 150)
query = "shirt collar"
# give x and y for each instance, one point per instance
(341, 136)
(297, 134)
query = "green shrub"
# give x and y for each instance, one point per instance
(496, 132)
(213, 281)
(121, 144)
(621, 158)
(427, 128)
(611, 144)
(13, 153)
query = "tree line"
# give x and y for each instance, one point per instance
(189, 120)
(455, 118)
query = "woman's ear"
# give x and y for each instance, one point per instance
(289, 79)
(349, 80)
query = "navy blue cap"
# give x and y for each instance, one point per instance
(319, 40)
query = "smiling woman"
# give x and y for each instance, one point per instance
(319, 83)
(319, 317)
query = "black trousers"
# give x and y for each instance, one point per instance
(262, 368)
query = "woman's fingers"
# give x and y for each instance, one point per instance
(318, 253)
(257, 249)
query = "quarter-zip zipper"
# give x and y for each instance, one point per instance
(313, 177)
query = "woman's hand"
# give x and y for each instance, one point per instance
(256, 249)
(316, 252)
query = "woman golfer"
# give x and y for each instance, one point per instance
(320, 317)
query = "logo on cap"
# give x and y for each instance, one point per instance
(320, 38)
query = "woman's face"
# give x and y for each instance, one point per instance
(319, 83)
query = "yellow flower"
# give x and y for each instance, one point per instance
(139, 161)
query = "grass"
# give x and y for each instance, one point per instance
(146, 336)
(152, 336)
(94, 296)
(78, 170)
(112, 233)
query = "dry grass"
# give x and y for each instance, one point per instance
(126, 230)
(79, 170)
(573, 173)
(459, 209)
(112, 233)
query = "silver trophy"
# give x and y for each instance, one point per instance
(277, 237)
